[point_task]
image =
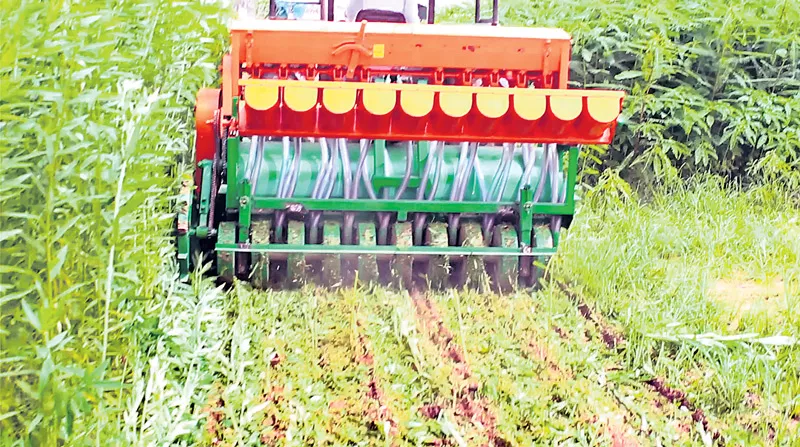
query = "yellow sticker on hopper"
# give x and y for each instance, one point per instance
(378, 50)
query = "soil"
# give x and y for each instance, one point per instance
(377, 411)
(612, 340)
(469, 409)
(214, 416)
(744, 295)
(274, 427)
(539, 353)
(620, 432)
(611, 337)
(679, 397)
(365, 400)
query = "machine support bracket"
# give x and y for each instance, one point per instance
(245, 212)
(572, 174)
(205, 199)
(184, 223)
(231, 196)
(526, 216)
(261, 204)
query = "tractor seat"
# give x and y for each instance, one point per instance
(379, 15)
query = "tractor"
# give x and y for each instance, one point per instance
(387, 148)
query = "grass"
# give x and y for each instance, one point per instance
(99, 345)
(95, 113)
(545, 372)
(654, 268)
(289, 365)
(709, 88)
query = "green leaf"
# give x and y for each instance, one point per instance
(44, 375)
(55, 343)
(70, 418)
(132, 203)
(6, 298)
(35, 423)
(64, 228)
(630, 74)
(9, 234)
(61, 257)
(30, 314)
(10, 414)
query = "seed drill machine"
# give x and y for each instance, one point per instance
(414, 148)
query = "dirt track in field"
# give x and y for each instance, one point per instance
(470, 409)
(378, 412)
(358, 395)
(614, 340)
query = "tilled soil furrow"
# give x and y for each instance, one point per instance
(294, 382)
(288, 365)
(254, 375)
(469, 407)
(611, 337)
(614, 340)
(274, 418)
(214, 416)
(347, 371)
(507, 337)
(379, 414)
(401, 362)
(677, 396)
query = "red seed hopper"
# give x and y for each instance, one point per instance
(473, 82)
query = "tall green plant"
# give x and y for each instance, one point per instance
(711, 87)
(95, 113)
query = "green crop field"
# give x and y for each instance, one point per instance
(669, 317)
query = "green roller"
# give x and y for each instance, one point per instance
(386, 166)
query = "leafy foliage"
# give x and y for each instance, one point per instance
(95, 113)
(711, 87)
(655, 268)
(100, 345)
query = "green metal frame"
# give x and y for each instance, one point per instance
(184, 239)
(382, 250)
(233, 236)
